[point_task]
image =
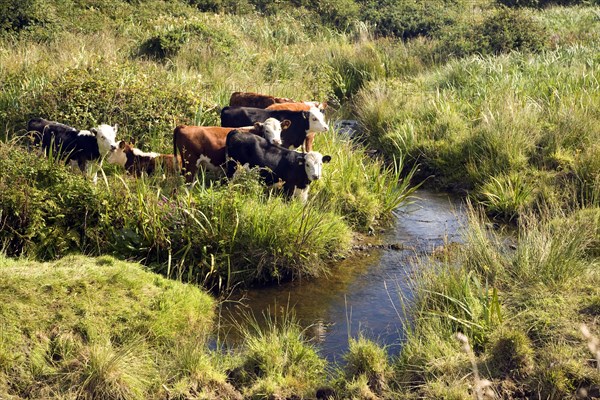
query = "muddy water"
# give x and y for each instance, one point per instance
(363, 292)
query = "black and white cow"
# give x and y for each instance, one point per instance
(73, 144)
(296, 170)
(302, 122)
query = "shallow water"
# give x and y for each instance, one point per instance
(363, 292)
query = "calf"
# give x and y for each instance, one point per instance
(301, 122)
(296, 170)
(137, 162)
(75, 145)
(249, 99)
(205, 145)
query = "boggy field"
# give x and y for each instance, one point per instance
(104, 282)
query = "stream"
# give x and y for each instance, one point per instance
(364, 292)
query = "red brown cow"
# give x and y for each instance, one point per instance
(137, 162)
(204, 146)
(297, 106)
(249, 99)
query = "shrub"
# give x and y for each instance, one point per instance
(142, 101)
(16, 15)
(215, 6)
(338, 13)
(166, 44)
(500, 31)
(408, 19)
(507, 30)
(544, 3)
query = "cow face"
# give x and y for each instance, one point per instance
(119, 155)
(313, 164)
(272, 129)
(106, 137)
(316, 121)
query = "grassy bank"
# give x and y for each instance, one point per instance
(500, 104)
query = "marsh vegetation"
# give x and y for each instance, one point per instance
(104, 284)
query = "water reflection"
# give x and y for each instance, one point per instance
(364, 293)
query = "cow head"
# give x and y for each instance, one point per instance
(271, 129)
(106, 137)
(316, 120)
(313, 164)
(119, 155)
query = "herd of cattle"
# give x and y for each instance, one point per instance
(256, 131)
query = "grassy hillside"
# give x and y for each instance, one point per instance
(498, 103)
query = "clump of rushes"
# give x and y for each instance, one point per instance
(276, 359)
(367, 368)
(511, 354)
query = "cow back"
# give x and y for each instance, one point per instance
(250, 99)
(293, 136)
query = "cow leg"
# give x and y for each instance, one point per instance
(308, 142)
(302, 194)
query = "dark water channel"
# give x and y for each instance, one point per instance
(363, 292)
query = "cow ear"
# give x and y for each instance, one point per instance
(326, 159)
(122, 144)
(94, 131)
(305, 114)
(132, 141)
(116, 128)
(257, 125)
(286, 123)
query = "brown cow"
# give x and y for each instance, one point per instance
(249, 99)
(297, 106)
(204, 146)
(137, 162)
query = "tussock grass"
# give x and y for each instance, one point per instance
(518, 321)
(96, 343)
(276, 359)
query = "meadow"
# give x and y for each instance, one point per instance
(104, 285)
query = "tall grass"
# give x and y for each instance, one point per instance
(498, 291)
(276, 359)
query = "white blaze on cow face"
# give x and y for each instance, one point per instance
(316, 121)
(313, 164)
(272, 130)
(106, 137)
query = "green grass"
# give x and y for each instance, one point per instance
(517, 132)
(94, 327)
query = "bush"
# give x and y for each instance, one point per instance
(408, 19)
(216, 6)
(544, 3)
(16, 15)
(507, 30)
(166, 44)
(500, 31)
(142, 101)
(338, 13)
